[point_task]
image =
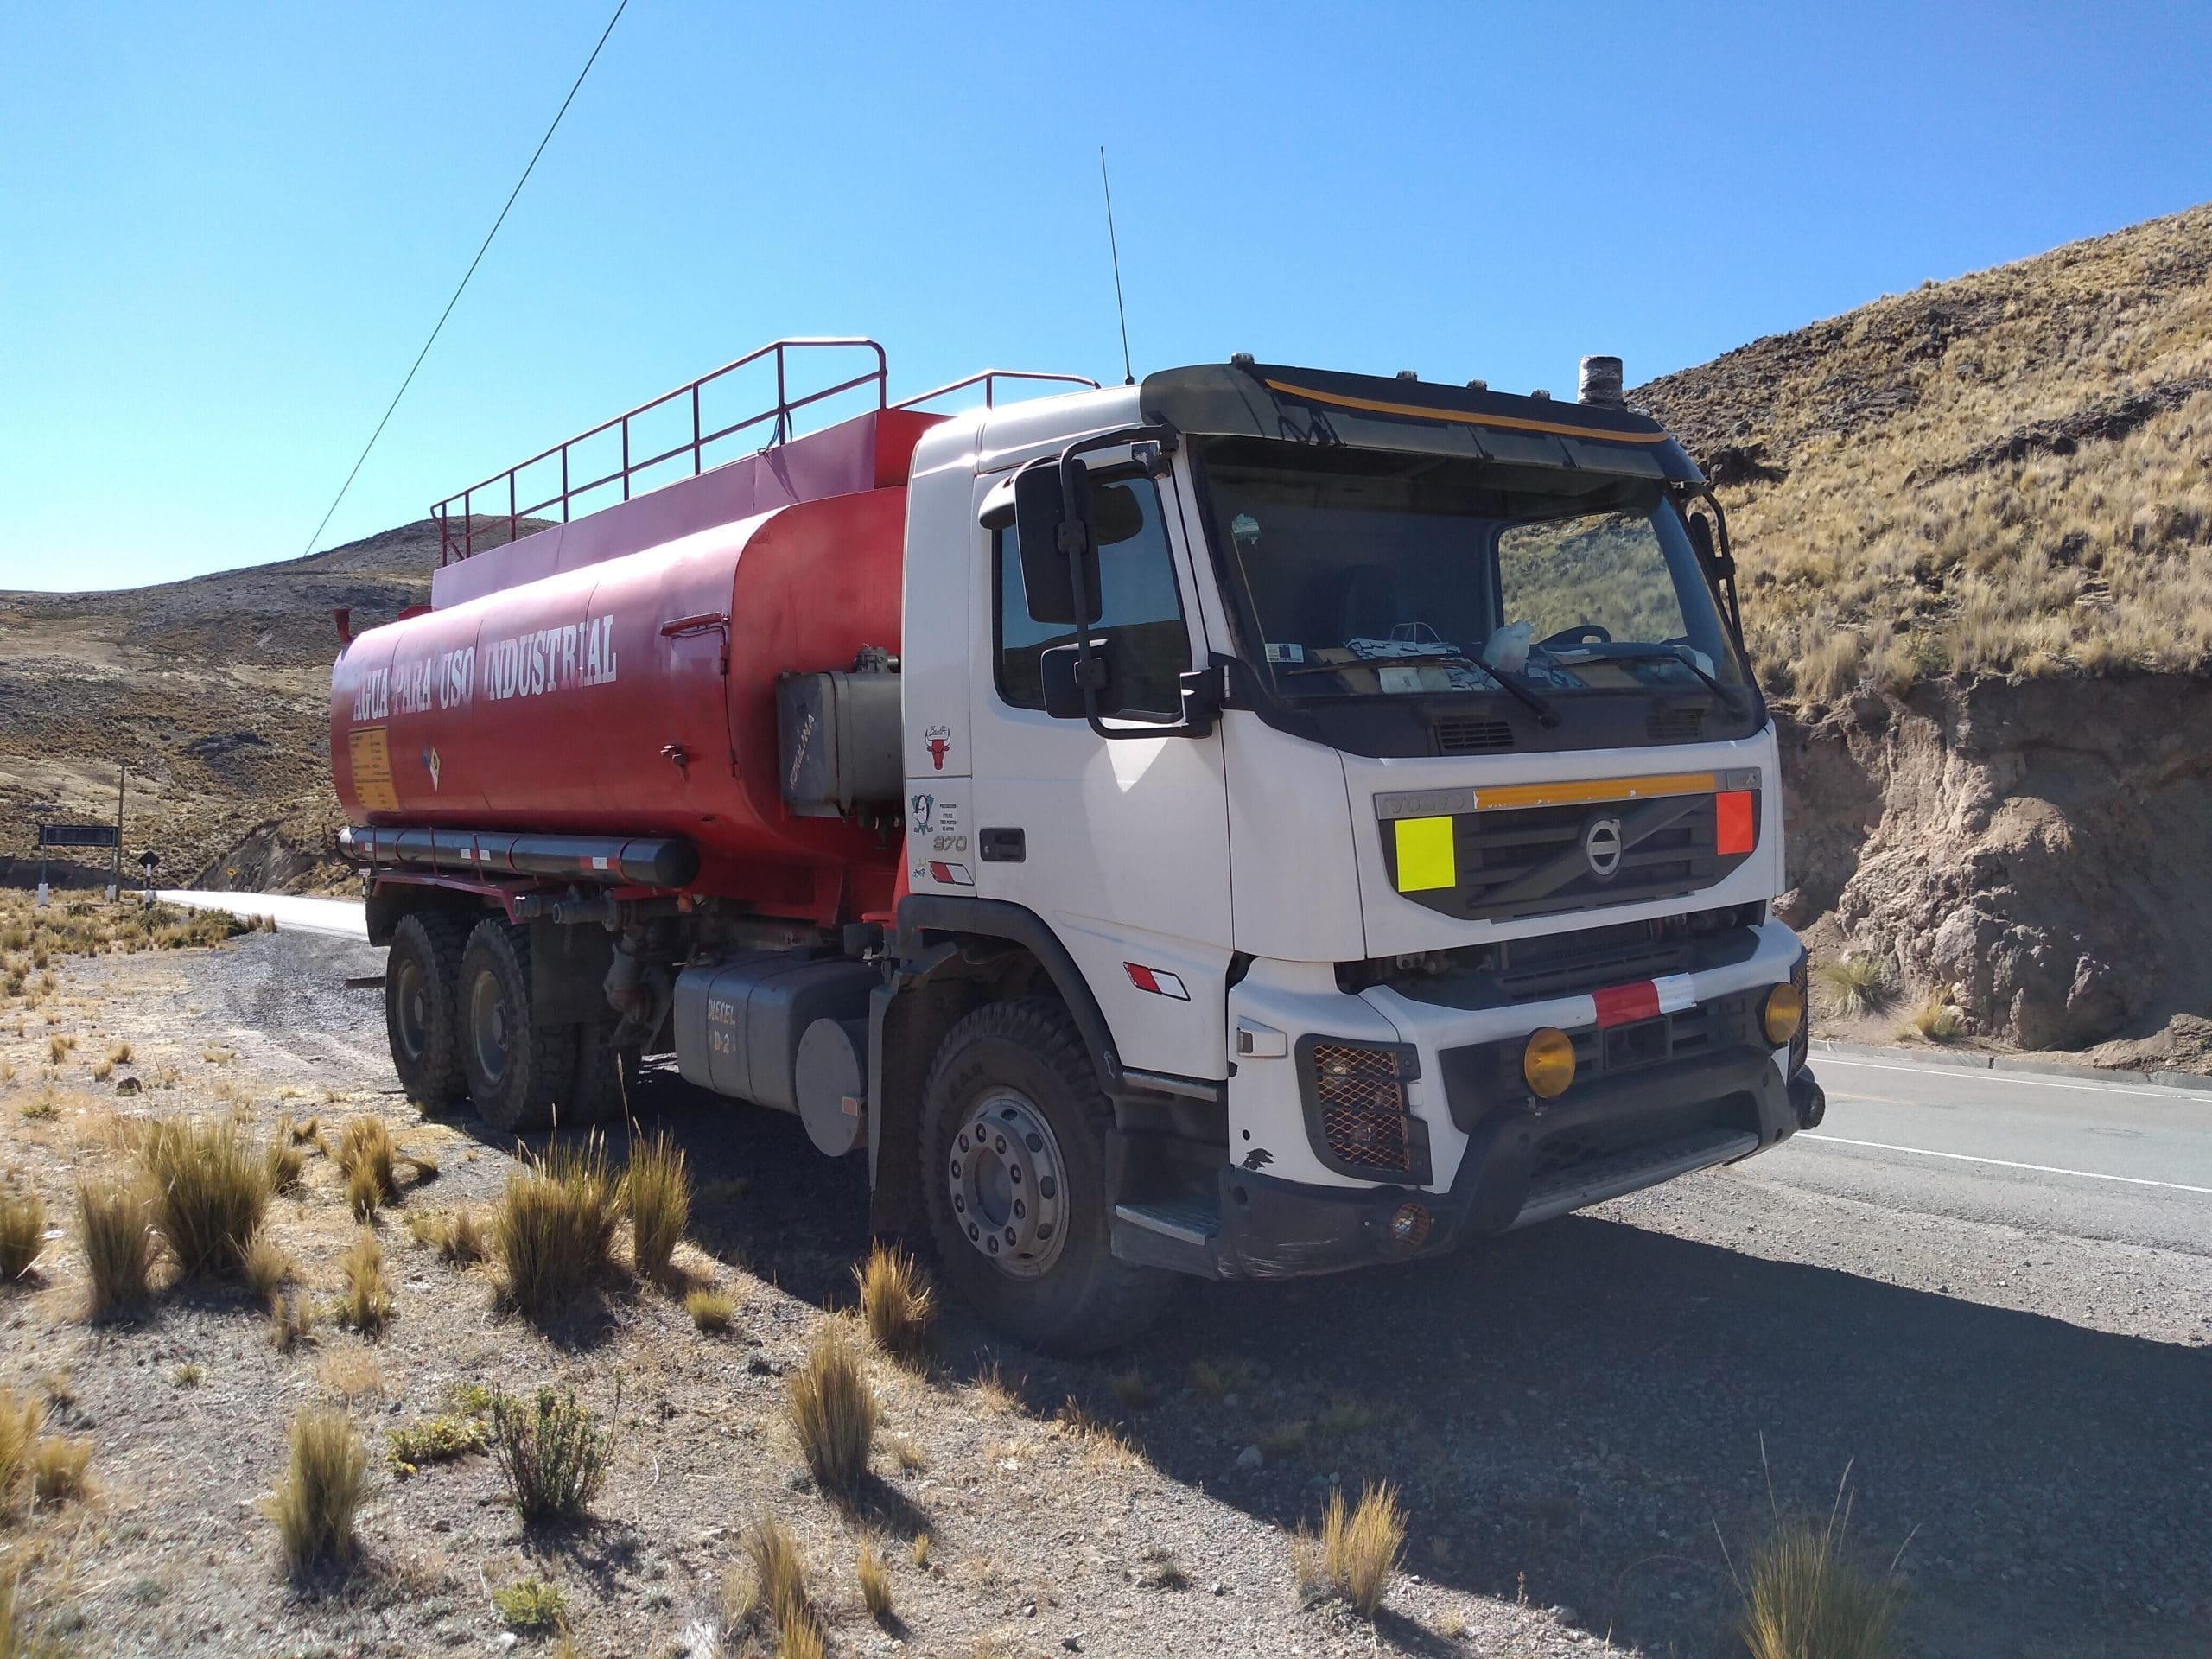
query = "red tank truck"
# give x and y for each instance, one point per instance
(889, 776)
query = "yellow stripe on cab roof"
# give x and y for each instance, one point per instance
(1508, 423)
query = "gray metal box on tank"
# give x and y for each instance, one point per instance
(738, 1023)
(838, 737)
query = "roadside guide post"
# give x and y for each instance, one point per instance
(115, 880)
(147, 859)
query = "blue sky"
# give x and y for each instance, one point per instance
(224, 229)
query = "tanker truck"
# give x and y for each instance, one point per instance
(1251, 822)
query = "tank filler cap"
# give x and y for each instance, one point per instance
(1408, 374)
(1240, 360)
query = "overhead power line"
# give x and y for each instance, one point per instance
(620, 9)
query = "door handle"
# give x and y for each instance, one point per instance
(1003, 846)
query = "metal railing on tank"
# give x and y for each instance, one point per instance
(989, 379)
(457, 514)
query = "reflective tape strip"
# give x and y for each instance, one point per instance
(1675, 992)
(1622, 1005)
(1426, 858)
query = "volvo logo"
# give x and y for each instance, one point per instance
(1602, 847)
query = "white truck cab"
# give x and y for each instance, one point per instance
(1371, 772)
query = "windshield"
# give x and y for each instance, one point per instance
(1370, 574)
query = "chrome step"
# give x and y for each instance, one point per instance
(1190, 1221)
(1600, 1178)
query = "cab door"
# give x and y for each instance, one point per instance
(1121, 846)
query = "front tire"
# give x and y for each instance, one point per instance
(517, 1068)
(422, 1002)
(1013, 1179)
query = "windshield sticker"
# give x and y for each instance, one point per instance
(1292, 652)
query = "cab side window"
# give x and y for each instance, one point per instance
(1142, 610)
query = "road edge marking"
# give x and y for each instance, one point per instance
(2002, 1163)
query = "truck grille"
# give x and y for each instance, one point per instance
(1472, 735)
(1517, 861)
(1484, 1075)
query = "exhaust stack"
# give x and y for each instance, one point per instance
(1600, 382)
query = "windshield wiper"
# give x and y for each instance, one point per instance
(1668, 654)
(1546, 715)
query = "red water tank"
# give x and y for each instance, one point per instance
(636, 696)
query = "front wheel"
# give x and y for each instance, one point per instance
(1014, 1176)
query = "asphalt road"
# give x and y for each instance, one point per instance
(342, 919)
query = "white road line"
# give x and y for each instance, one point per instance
(2088, 1085)
(2005, 1163)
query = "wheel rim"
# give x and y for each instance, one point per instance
(1009, 1184)
(411, 998)
(488, 1026)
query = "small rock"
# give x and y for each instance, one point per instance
(507, 1639)
(1249, 1458)
(758, 1367)
(1072, 1641)
(1217, 1588)
(1028, 1610)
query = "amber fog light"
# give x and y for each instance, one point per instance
(1548, 1063)
(1409, 1226)
(1782, 1013)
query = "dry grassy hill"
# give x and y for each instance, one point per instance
(213, 691)
(1975, 522)
(2002, 475)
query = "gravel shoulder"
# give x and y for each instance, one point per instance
(1576, 1415)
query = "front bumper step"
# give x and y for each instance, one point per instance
(1191, 1222)
(1594, 1181)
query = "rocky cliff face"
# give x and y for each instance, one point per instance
(2039, 851)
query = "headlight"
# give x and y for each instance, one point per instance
(1783, 1014)
(1548, 1062)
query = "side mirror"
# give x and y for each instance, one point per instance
(1061, 672)
(1058, 544)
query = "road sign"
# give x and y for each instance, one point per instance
(79, 834)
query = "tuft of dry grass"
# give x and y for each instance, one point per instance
(554, 1226)
(1855, 985)
(365, 1154)
(323, 1483)
(1805, 1595)
(553, 1454)
(20, 1421)
(365, 1298)
(56, 1468)
(710, 1309)
(1935, 1021)
(282, 1161)
(657, 1190)
(896, 1301)
(874, 1577)
(268, 1268)
(20, 1637)
(210, 1191)
(833, 1410)
(118, 1053)
(1358, 1551)
(113, 1226)
(458, 1237)
(291, 1321)
(774, 1587)
(1131, 1388)
(22, 1234)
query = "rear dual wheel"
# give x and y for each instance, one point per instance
(422, 1004)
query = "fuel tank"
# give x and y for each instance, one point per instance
(636, 696)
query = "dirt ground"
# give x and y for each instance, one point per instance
(1574, 1414)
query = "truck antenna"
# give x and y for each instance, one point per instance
(1129, 375)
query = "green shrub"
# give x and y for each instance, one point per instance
(532, 1607)
(434, 1439)
(553, 1454)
